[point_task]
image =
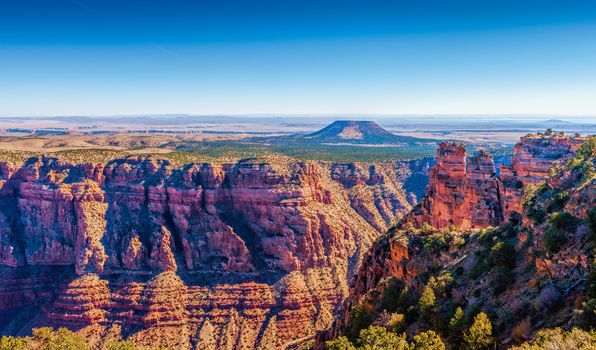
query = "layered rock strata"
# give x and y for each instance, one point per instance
(465, 191)
(462, 192)
(532, 158)
(241, 252)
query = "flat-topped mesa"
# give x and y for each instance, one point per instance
(532, 158)
(462, 191)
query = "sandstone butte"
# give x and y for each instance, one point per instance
(229, 256)
(239, 255)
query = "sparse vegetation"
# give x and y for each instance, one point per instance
(305, 151)
(378, 338)
(557, 338)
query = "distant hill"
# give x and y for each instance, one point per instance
(556, 121)
(358, 132)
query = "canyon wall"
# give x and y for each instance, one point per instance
(532, 158)
(465, 191)
(246, 250)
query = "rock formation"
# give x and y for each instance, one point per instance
(532, 158)
(465, 192)
(359, 132)
(241, 251)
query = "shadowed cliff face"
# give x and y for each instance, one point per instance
(250, 248)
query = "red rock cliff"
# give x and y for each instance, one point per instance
(462, 191)
(532, 158)
(251, 249)
(465, 191)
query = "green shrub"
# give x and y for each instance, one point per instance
(479, 268)
(554, 239)
(390, 297)
(122, 345)
(341, 343)
(442, 285)
(14, 343)
(397, 323)
(592, 281)
(47, 338)
(361, 317)
(405, 300)
(502, 254)
(456, 326)
(564, 221)
(428, 340)
(587, 315)
(378, 338)
(427, 303)
(480, 334)
(537, 214)
(559, 200)
(502, 279)
(587, 150)
(437, 242)
(592, 224)
(556, 338)
(555, 235)
(427, 229)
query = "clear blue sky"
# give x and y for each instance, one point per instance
(83, 57)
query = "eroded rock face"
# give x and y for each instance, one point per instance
(145, 214)
(83, 301)
(464, 191)
(248, 250)
(532, 158)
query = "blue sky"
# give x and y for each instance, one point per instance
(82, 57)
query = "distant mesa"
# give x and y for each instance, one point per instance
(557, 121)
(358, 132)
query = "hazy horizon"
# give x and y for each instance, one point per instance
(347, 116)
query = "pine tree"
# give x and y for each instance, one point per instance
(340, 343)
(427, 303)
(479, 335)
(378, 338)
(14, 343)
(428, 340)
(456, 326)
